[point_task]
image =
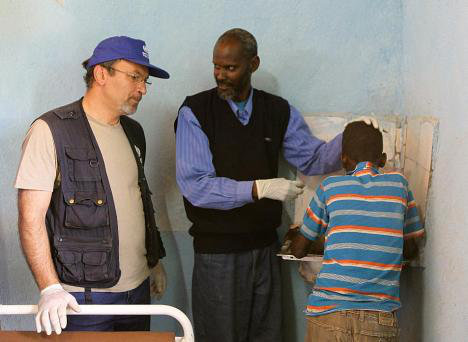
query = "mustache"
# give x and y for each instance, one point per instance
(224, 83)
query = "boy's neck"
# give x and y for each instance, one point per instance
(352, 165)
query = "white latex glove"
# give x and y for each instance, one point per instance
(158, 281)
(279, 189)
(369, 120)
(52, 309)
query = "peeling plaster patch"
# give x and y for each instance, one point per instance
(60, 2)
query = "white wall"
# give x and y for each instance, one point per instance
(435, 74)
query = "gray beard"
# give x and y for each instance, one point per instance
(128, 110)
(227, 95)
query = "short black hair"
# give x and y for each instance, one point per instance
(362, 142)
(245, 38)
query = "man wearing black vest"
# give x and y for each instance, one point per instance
(228, 140)
(86, 219)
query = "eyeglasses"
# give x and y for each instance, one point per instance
(137, 78)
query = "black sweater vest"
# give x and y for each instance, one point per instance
(241, 153)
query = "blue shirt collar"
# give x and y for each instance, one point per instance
(366, 167)
(248, 105)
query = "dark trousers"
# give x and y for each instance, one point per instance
(139, 295)
(236, 297)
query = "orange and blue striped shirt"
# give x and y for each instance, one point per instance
(365, 217)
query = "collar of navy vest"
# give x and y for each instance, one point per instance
(364, 168)
(74, 112)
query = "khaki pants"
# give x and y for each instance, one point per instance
(353, 326)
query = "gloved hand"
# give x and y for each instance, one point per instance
(52, 309)
(158, 281)
(369, 120)
(278, 188)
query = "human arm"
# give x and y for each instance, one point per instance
(315, 223)
(300, 245)
(35, 181)
(32, 209)
(307, 153)
(410, 248)
(197, 179)
(413, 230)
(195, 172)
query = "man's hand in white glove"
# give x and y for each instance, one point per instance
(158, 281)
(52, 309)
(369, 120)
(278, 189)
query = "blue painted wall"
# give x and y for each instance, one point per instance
(330, 56)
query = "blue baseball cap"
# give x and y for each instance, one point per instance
(122, 47)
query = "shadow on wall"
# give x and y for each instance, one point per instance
(266, 81)
(411, 295)
(177, 292)
(263, 80)
(294, 290)
(4, 288)
(162, 169)
(179, 256)
(290, 304)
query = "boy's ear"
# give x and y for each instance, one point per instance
(347, 162)
(382, 160)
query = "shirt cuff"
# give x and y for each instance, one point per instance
(244, 191)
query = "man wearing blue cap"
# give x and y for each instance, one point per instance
(86, 218)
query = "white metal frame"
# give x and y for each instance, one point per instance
(115, 310)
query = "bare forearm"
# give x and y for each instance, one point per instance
(300, 245)
(254, 191)
(410, 249)
(32, 206)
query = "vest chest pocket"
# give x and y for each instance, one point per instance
(86, 210)
(82, 164)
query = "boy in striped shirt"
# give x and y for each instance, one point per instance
(370, 222)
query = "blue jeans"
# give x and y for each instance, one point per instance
(236, 297)
(139, 295)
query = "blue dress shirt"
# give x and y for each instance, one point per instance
(196, 175)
